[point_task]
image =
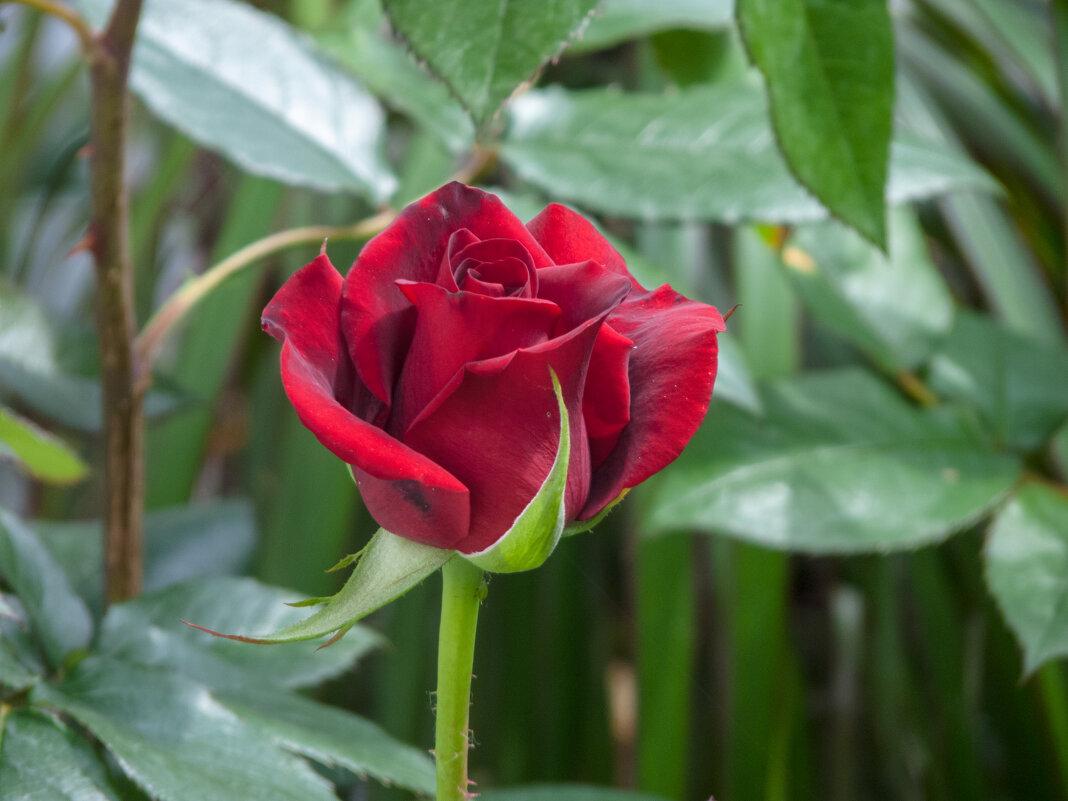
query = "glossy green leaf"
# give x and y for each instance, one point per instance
(244, 83)
(389, 566)
(332, 736)
(617, 21)
(38, 763)
(182, 543)
(1019, 385)
(892, 308)
(830, 76)
(44, 456)
(150, 630)
(21, 660)
(391, 74)
(60, 619)
(1026, 560)
(13, 674)
(35, 367)
(175, 740)
(565, 792)
(838, 464)
(537, 530)
(486, 49)
(705, 152)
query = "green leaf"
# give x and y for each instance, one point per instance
(150, 630)
(244, 83)
(705, 152)
(986, 235)
(38, 762)
(830, 77)
(486, 49)
(618, 21)
(35, 367)
(565, 792)
(389, 566)
(21, 659)
(59, 617)
(838, 464)
(13, 674)
(893, 308)
(1018, 384)
(46, 457)
(1026, 559)
(185, 542)
(332, 736)
(734, 383)
(536, 532)
(768, 324)
(175, 740)
(391, 73)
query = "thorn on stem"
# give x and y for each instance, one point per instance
(85, 244)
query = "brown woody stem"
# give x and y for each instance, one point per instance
(109, 242)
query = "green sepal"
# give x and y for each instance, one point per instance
(538, 529)
(580, 526)
(389, 566)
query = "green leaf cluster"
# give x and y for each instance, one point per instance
(137, 704)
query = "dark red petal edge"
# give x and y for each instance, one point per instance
(568, 237)
(671, 372)
(426, 503)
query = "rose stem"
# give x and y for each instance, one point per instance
(109, 66)
(462, 590)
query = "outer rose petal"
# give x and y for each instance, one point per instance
(453, 329)
(582, 291)
(606, 402)
(499, 429)
(377, 318)
(404, 490)
(672, 369)
(568, 237)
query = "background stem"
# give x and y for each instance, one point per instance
(461, 593)
(108, 239)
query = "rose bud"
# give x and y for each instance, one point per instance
(491, 383)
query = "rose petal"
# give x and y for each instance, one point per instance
(457, 242)
(498, 430)
(453, 329)
(568, 237)
(405, 491)
(378, 320)
(582, 291)
(671, 372)
(606, 400)
(497, 251)
(498, 278)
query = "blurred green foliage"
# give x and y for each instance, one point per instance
(879, 611)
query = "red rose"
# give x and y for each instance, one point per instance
(429, 368)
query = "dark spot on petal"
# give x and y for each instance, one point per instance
(412, 492)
